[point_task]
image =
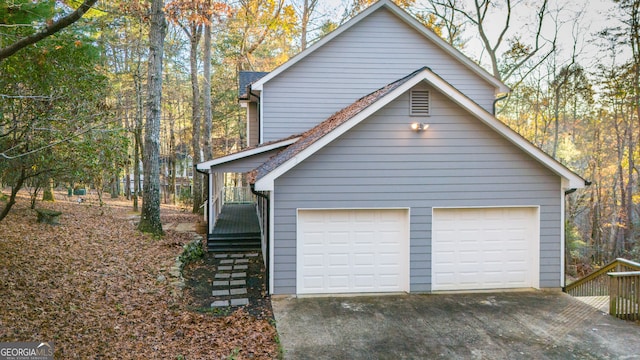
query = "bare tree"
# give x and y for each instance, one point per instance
(206, 93)
(448, 21)
(150, 217)
(305, 10)
(519, 53)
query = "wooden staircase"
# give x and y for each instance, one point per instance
(234, 242)
(619, 280)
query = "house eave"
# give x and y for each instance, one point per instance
(266, 182)
(207, 165)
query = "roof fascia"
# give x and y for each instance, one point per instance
(205, 166)
(407, 18)
(266, 183)
(574, 180)
(479, 70)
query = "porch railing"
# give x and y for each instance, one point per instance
(238, 195)
(624, 295)
(597, 283)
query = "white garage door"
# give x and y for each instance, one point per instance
(485, 248)
(352, 251)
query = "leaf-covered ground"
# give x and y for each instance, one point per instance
(96, 287)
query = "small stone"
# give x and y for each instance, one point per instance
(238, 275)
(221, 256)
(251, 255)
(239, 302)
(220, 292)
(239, 291)
(237, 282)
(242, 261)
(161, 278)
(222, 276)
(220, 283)
(178, 284)
(240, 267)
(225, 267)
(220, 303)
(229, 261)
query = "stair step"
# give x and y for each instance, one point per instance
(232, 248)
(251, 236)
(233, 245)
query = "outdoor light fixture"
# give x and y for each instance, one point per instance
(419, 127)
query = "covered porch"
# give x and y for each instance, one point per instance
(236, 226)
(237, 217)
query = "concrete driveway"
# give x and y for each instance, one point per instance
(517, 325)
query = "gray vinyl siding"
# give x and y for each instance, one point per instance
(457, 162)
(375, 52)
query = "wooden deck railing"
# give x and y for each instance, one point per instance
(624, 295)
(238, 195)
(597, 283)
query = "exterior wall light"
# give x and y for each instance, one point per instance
(419, 127)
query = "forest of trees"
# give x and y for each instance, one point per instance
(80, 101)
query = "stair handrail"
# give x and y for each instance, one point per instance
(602, 272)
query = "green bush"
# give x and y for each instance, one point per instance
(191, 251)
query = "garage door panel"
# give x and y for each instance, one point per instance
(337, 260)
(485, 248)
(364, 259)
(338, 282)
(363, 250)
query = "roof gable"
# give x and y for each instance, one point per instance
(345, 119)
(407, 19)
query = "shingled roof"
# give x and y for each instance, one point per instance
(245, 78)
(325, 127)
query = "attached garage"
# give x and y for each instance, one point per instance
(352, 251)
(485, 248)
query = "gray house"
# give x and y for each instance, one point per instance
(381, 168)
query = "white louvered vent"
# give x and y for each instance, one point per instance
(419, 102)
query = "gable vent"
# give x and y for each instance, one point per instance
(419, 102)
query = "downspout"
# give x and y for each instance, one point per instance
(567, 192)
(209, 200)
(493, 107)
(257, 108)
(266, 233)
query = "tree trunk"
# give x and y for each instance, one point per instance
(196, 122)
(150, 217)
(206, 92)
(137, 139)
(47, 193)
(172, 161)
(14, 191)
(115, 186)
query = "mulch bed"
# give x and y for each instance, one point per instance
(199, 277)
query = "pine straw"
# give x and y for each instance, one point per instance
(91, 285)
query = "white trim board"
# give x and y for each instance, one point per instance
(205, 166)
(266, 183)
